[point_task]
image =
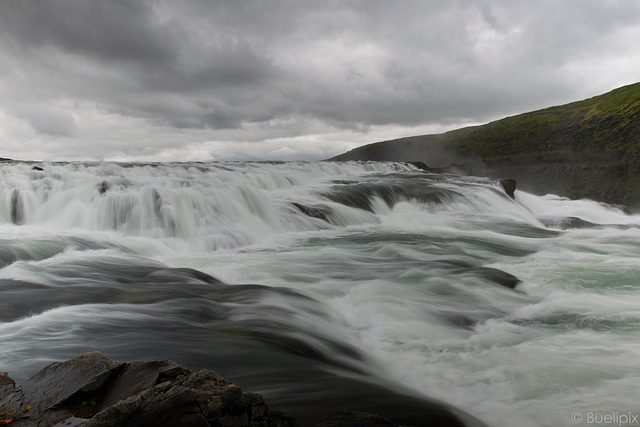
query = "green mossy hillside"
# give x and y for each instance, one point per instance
(585, 149)
(608, 123)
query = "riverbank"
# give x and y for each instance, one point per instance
(93, 390)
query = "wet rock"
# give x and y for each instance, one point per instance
(311, 212)
(460, 321)
(95, 391)
(421, 165)
(103, 187)
(496, 276)
(7, 385)
(71, 379)
(37, 168)
(567, 223)
(137, 377)
(509, 185)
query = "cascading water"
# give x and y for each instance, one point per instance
(324, 285)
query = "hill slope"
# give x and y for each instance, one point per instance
(589, 149)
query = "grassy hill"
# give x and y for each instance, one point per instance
(589, 149)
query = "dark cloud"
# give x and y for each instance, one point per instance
(253, 71)
(120, 30)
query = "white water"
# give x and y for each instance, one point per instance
(397, 278)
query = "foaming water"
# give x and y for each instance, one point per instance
(375, 280)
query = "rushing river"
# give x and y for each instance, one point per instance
(328, 285)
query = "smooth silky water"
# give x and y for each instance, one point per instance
(324, 285)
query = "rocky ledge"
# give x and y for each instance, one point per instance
(92, 390)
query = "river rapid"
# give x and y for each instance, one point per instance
(371, 286)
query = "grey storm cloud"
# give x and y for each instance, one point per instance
(114, 30)
(253, 70)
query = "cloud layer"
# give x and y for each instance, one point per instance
(216, 80)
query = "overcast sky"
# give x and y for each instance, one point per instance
(164, 80)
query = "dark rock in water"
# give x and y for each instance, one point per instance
(357, 419)
(37, 168)
(93, 390)
(575, 222)
(496, 276)
(421, 165)
(567, 223)
(461, 321)
(509, 185)
(103, 187)
(452, 168)
(17, 207)
(312, 212)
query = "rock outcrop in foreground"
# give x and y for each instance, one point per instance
(93, 390)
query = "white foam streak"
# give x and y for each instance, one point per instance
(561, 207)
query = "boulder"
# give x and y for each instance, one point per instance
(63, 382)
(496, 276)
(509, 185)
(92, 390)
